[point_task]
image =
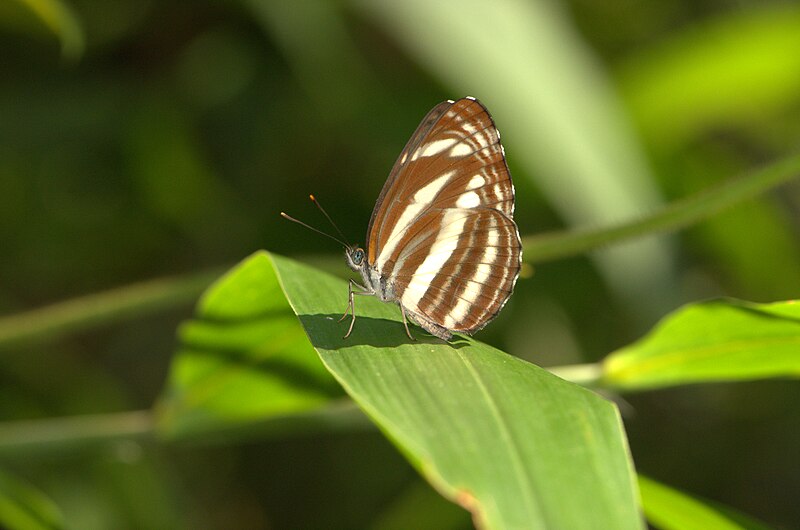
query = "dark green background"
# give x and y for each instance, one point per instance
(174, 140)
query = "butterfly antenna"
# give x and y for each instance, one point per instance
(290, 218)
(321, 209)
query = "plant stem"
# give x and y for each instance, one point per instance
(52, 435)
(102, 308)
(679, 214)
(72, 432)
(47, 436)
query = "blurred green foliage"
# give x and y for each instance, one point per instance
(140, 139)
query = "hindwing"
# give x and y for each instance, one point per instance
(442, 233)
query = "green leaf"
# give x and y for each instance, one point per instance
(23, 507)
(670, 509)
(719, 340)
(510, 442)
(243, 359)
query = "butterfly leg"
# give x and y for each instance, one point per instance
(405, 322)
(351, 305)
(350, 293)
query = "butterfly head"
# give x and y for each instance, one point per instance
(356, 257)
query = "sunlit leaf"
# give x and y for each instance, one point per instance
(23, 507)
(670, 509)
(515, 445)
(720, 340)
(243, 358)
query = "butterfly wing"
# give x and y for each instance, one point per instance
(380, 214)
(442, 232)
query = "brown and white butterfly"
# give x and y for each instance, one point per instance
(442, 242)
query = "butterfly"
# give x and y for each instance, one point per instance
(442, 242)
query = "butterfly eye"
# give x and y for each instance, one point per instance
(358, 256)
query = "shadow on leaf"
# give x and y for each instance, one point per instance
(327, 332)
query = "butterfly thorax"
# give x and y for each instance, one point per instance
(373, 280)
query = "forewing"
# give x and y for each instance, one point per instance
(391, 186)
(454, 159)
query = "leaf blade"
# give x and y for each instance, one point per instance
(510, 442)
(244, 358)
(717, 340)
